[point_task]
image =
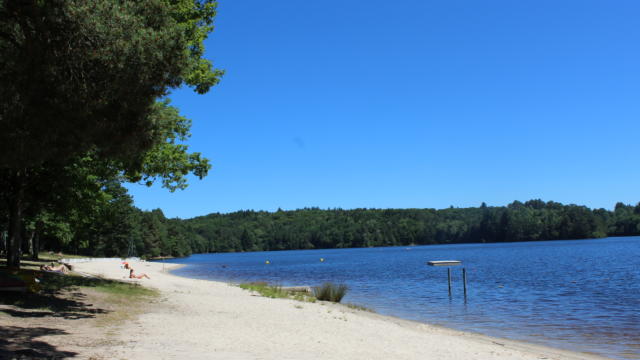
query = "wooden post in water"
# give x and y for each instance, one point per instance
(464, 280)
(449, 263)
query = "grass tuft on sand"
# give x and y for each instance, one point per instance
(330, 292)
(265, 289)
(275, 291)
(359, 307)
(128, 290)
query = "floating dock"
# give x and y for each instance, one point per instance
(444, 262)
(451, 263)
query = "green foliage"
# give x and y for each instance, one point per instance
(109, 225)
(359, 307)
(93, 66)
(96, 67)
(330, 292)
(270, 291)
(313, 228)
(196, 19)
(265, 290)
(79, 89)
(169, 159)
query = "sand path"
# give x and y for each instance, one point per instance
(198, 319)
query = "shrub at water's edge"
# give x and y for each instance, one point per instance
(330, 292)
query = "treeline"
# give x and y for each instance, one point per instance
(117, 228)
(316, 229)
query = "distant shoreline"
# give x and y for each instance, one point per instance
(399, 246)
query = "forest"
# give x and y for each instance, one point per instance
(118, 228)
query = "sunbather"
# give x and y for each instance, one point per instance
(132, 275)
(62, 268)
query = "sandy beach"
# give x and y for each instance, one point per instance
(198, 319)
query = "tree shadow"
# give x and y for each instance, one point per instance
(29, 262)
(59, 295)
(70, 313)
(21, 343)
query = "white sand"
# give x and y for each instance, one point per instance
(198, 319)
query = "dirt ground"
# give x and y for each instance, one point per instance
(76, 321)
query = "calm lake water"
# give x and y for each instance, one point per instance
(580, 295)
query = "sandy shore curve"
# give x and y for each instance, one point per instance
(200, 319)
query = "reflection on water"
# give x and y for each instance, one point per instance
(580, 295)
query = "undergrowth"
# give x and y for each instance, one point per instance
(275, 291)
(359, 307)
(330, 292)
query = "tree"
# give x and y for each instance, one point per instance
(95, 68)
(168, 159)
(246, 240)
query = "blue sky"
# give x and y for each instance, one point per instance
(414, 104)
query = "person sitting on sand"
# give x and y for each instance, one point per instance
(134, 276)
(62, 268)
(127, 266)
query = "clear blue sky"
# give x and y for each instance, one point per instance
(415, 104)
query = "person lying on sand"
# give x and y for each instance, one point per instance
(62, 268)
(134, 276)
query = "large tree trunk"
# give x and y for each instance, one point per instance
(3, 242)
(15, 232)
(28, 240)
(27, 237)
(16, 213)
(36, 240)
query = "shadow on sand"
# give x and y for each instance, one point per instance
(60, 295)
(59, 298)
(35, 306)
(21, 343)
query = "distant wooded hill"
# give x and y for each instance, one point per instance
(126, 230)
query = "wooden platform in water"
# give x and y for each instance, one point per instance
(444, 262)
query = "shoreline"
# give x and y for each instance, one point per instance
(523, 344)
(284, 328)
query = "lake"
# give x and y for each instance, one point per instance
(574, 294)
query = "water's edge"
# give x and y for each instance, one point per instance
(577, 295)
(530, 346)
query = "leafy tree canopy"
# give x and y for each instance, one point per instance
(81, 75)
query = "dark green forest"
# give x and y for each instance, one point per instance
(117, 228)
